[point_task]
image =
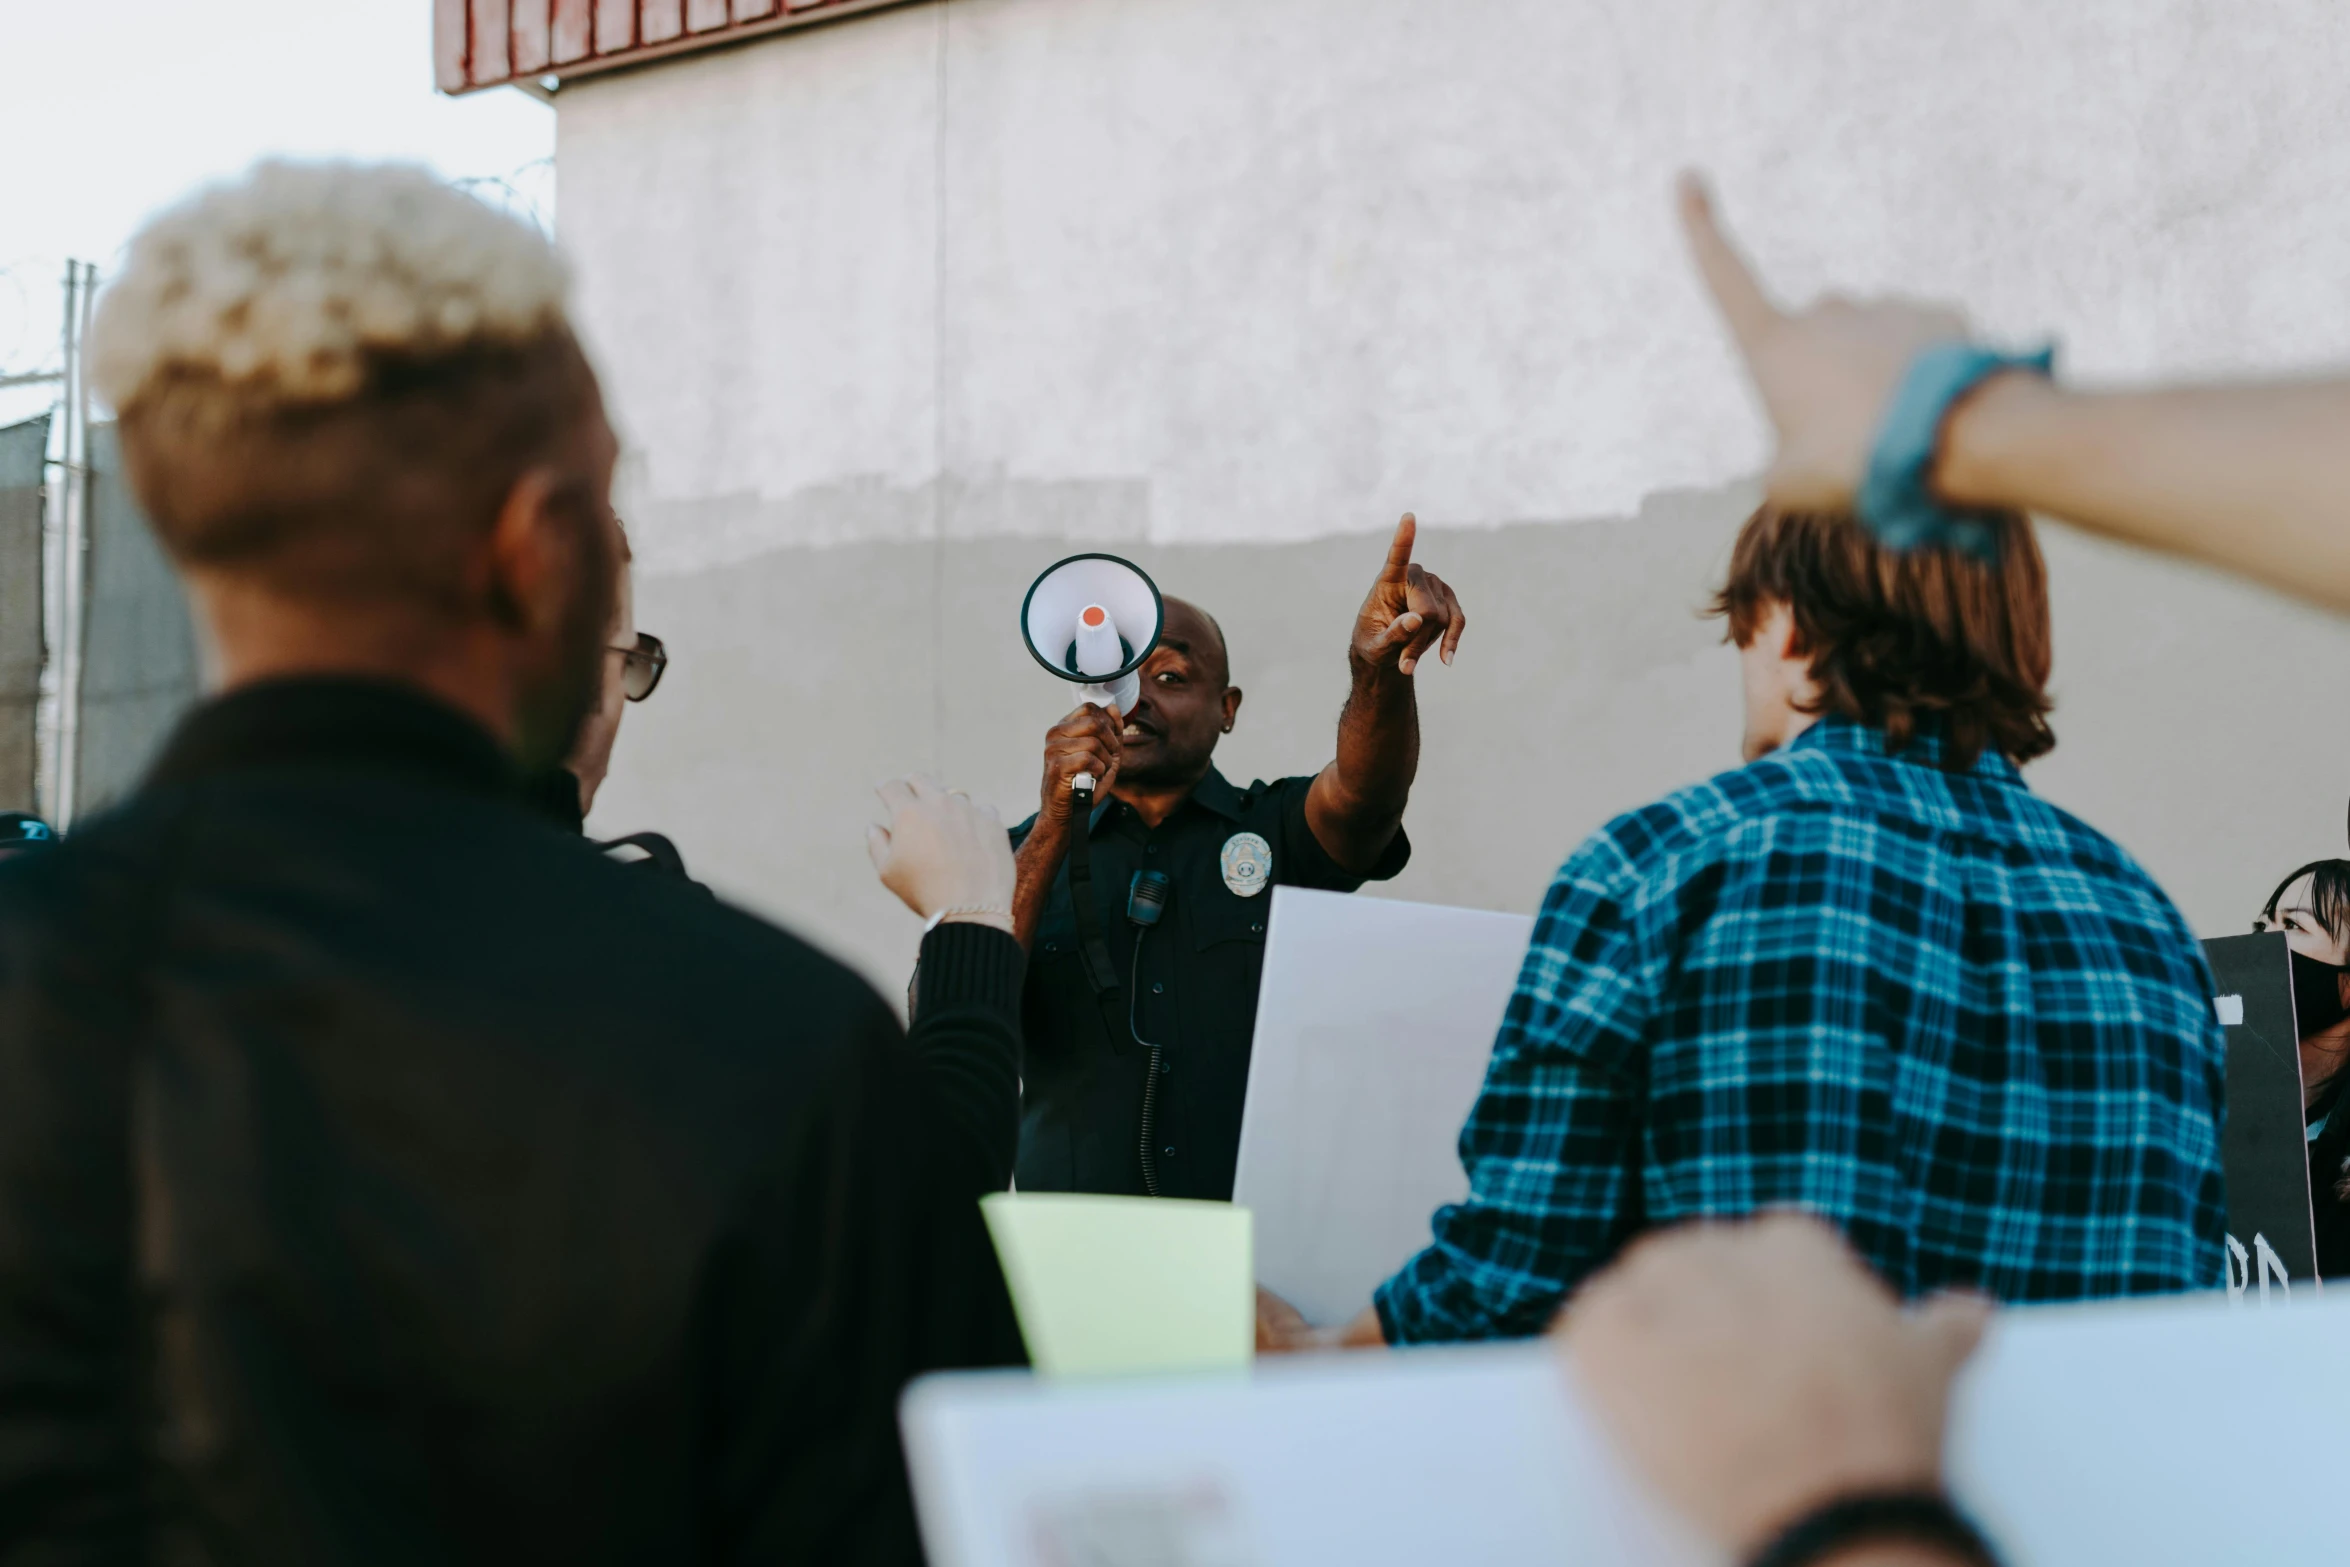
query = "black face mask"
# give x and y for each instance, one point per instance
(2317, 995)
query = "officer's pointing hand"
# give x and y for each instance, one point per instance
(1084, 742)
(1409, 611)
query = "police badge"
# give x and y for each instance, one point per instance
(1248, 864)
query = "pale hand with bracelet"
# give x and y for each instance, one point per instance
(946, 858)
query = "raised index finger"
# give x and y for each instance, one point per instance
(1399, 552)
(1737, 294)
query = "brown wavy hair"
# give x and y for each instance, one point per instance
(1906, 640)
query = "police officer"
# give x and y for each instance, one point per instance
(1139, 1091)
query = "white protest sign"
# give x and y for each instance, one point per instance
(2171, 1433)
(1374, 1023)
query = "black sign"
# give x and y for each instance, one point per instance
(2265, 1149)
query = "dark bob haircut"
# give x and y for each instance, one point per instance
(1907, 641)
(2329, 896)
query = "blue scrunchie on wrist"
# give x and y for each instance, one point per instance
(1896, 502)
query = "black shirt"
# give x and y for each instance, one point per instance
(2329, 1171)
(1196, 998)
(386, 1175)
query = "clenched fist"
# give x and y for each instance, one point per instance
(1086, 742)
(940, 852)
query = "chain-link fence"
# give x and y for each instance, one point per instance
(24, 459)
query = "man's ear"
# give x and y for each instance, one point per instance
(523, 565)
(1231, 707)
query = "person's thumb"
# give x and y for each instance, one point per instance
(1947, 1327)
(877, 845)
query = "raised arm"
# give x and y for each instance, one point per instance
(1356, 804)
(949, 859)
(2252, 478)
(1084, 742)
(1550, 1145)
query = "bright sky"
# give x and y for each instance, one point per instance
(112, 108)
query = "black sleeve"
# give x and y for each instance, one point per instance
(76, 1483)
(966, 1034)
(1299, 860)
(857, 1261)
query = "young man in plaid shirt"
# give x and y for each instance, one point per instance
(1869, 974)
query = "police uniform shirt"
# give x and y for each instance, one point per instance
(1194, 993)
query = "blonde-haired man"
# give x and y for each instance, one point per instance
(384, 1173)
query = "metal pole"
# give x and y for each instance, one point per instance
(80, 550)
(56, 573)
(81, 280)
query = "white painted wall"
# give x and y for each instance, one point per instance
(892, 311)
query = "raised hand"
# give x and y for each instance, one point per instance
(1085, 743)
(940, 852)
(1825, 374)
(1409, 611)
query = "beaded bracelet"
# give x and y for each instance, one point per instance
(975, 914)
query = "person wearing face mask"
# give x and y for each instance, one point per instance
(2311, 909)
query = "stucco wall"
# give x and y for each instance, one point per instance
(891, 313)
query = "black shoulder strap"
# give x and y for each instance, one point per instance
(1092, 945)
(655, 848)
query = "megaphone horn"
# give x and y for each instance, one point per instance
(1093, 619)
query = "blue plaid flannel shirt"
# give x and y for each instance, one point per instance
(1924, 1004)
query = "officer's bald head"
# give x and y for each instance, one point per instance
(1187, 700)
(1195, 631)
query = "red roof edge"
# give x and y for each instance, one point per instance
(491, 43)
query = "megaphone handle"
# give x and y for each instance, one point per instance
(1100, 973)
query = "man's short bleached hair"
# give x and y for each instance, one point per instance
(329, 378)
(286, 286)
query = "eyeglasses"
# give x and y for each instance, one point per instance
(642, 666)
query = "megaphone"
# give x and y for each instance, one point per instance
(1093, 619)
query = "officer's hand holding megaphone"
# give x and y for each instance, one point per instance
(1083, 744)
